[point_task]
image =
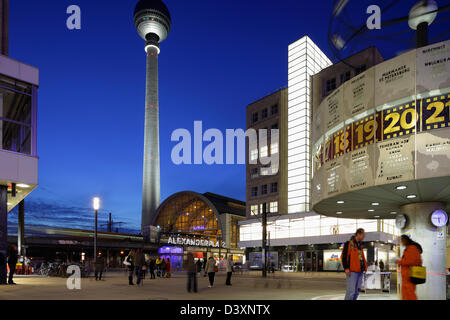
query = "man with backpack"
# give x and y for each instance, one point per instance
(354, 263)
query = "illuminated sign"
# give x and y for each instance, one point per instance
(195, 242)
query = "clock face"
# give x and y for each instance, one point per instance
(400, 221)
(439, 218)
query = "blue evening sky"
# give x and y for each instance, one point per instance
(219, 57)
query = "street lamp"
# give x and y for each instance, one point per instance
(96, 205)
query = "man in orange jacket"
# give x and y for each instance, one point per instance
(354, 264)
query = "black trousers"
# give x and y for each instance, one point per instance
(12, 270)
(98, 274)
(192, 282)
(228, 283)
(211, 276)
(152, 274)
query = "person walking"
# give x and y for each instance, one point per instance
(211, 270)
(229, 270)
(12, 262)
(354, 263)
(191, 269)
(163, 268)
(198, 265)
(168, 274)
(139, 262)
(158, 266)
(129, 262)
(99, 266)
(411, 257)
(151, 268)
(381, 265)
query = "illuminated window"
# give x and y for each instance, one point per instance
(254, 154)
(274, 148)
(254, 210)
(188, 213)
(274, 207)
(264, 152)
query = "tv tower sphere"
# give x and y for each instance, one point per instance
(152, 21)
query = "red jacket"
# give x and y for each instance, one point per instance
(350, 257)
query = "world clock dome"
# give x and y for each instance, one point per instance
(152, 21)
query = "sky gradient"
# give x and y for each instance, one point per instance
(219, 57)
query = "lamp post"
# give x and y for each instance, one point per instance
(96, 205)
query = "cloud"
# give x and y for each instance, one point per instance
(42, 213)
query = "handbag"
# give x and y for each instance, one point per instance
(418, 274)
(216, 269)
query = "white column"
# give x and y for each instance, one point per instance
(434, 246)
(304, 60)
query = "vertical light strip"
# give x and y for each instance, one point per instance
(304, 60)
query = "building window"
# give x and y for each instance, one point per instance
(255, 117)
(254, 191)
(264, 114)
(274, 187)
(274, 148)
(331, 84)
(274, 207)
(261, 208)
(264, 189)
(264, 152)
(254, 173)
(254, 155)
(265, 171)
(360, 69)
(274, 109)
(254, 210)
(275, 126)
(345, 77)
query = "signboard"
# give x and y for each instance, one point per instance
(395, 160)
(435, 112)
(359, 94)
(395, 78)
(194, 242)
(433, 67)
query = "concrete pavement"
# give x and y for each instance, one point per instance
(245, 287)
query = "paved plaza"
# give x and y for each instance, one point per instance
(312, 286)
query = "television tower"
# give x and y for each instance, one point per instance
(153, 22)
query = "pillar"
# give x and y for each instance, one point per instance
(151, 174)
(21, 229)
(3, 232)
(434, 246)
